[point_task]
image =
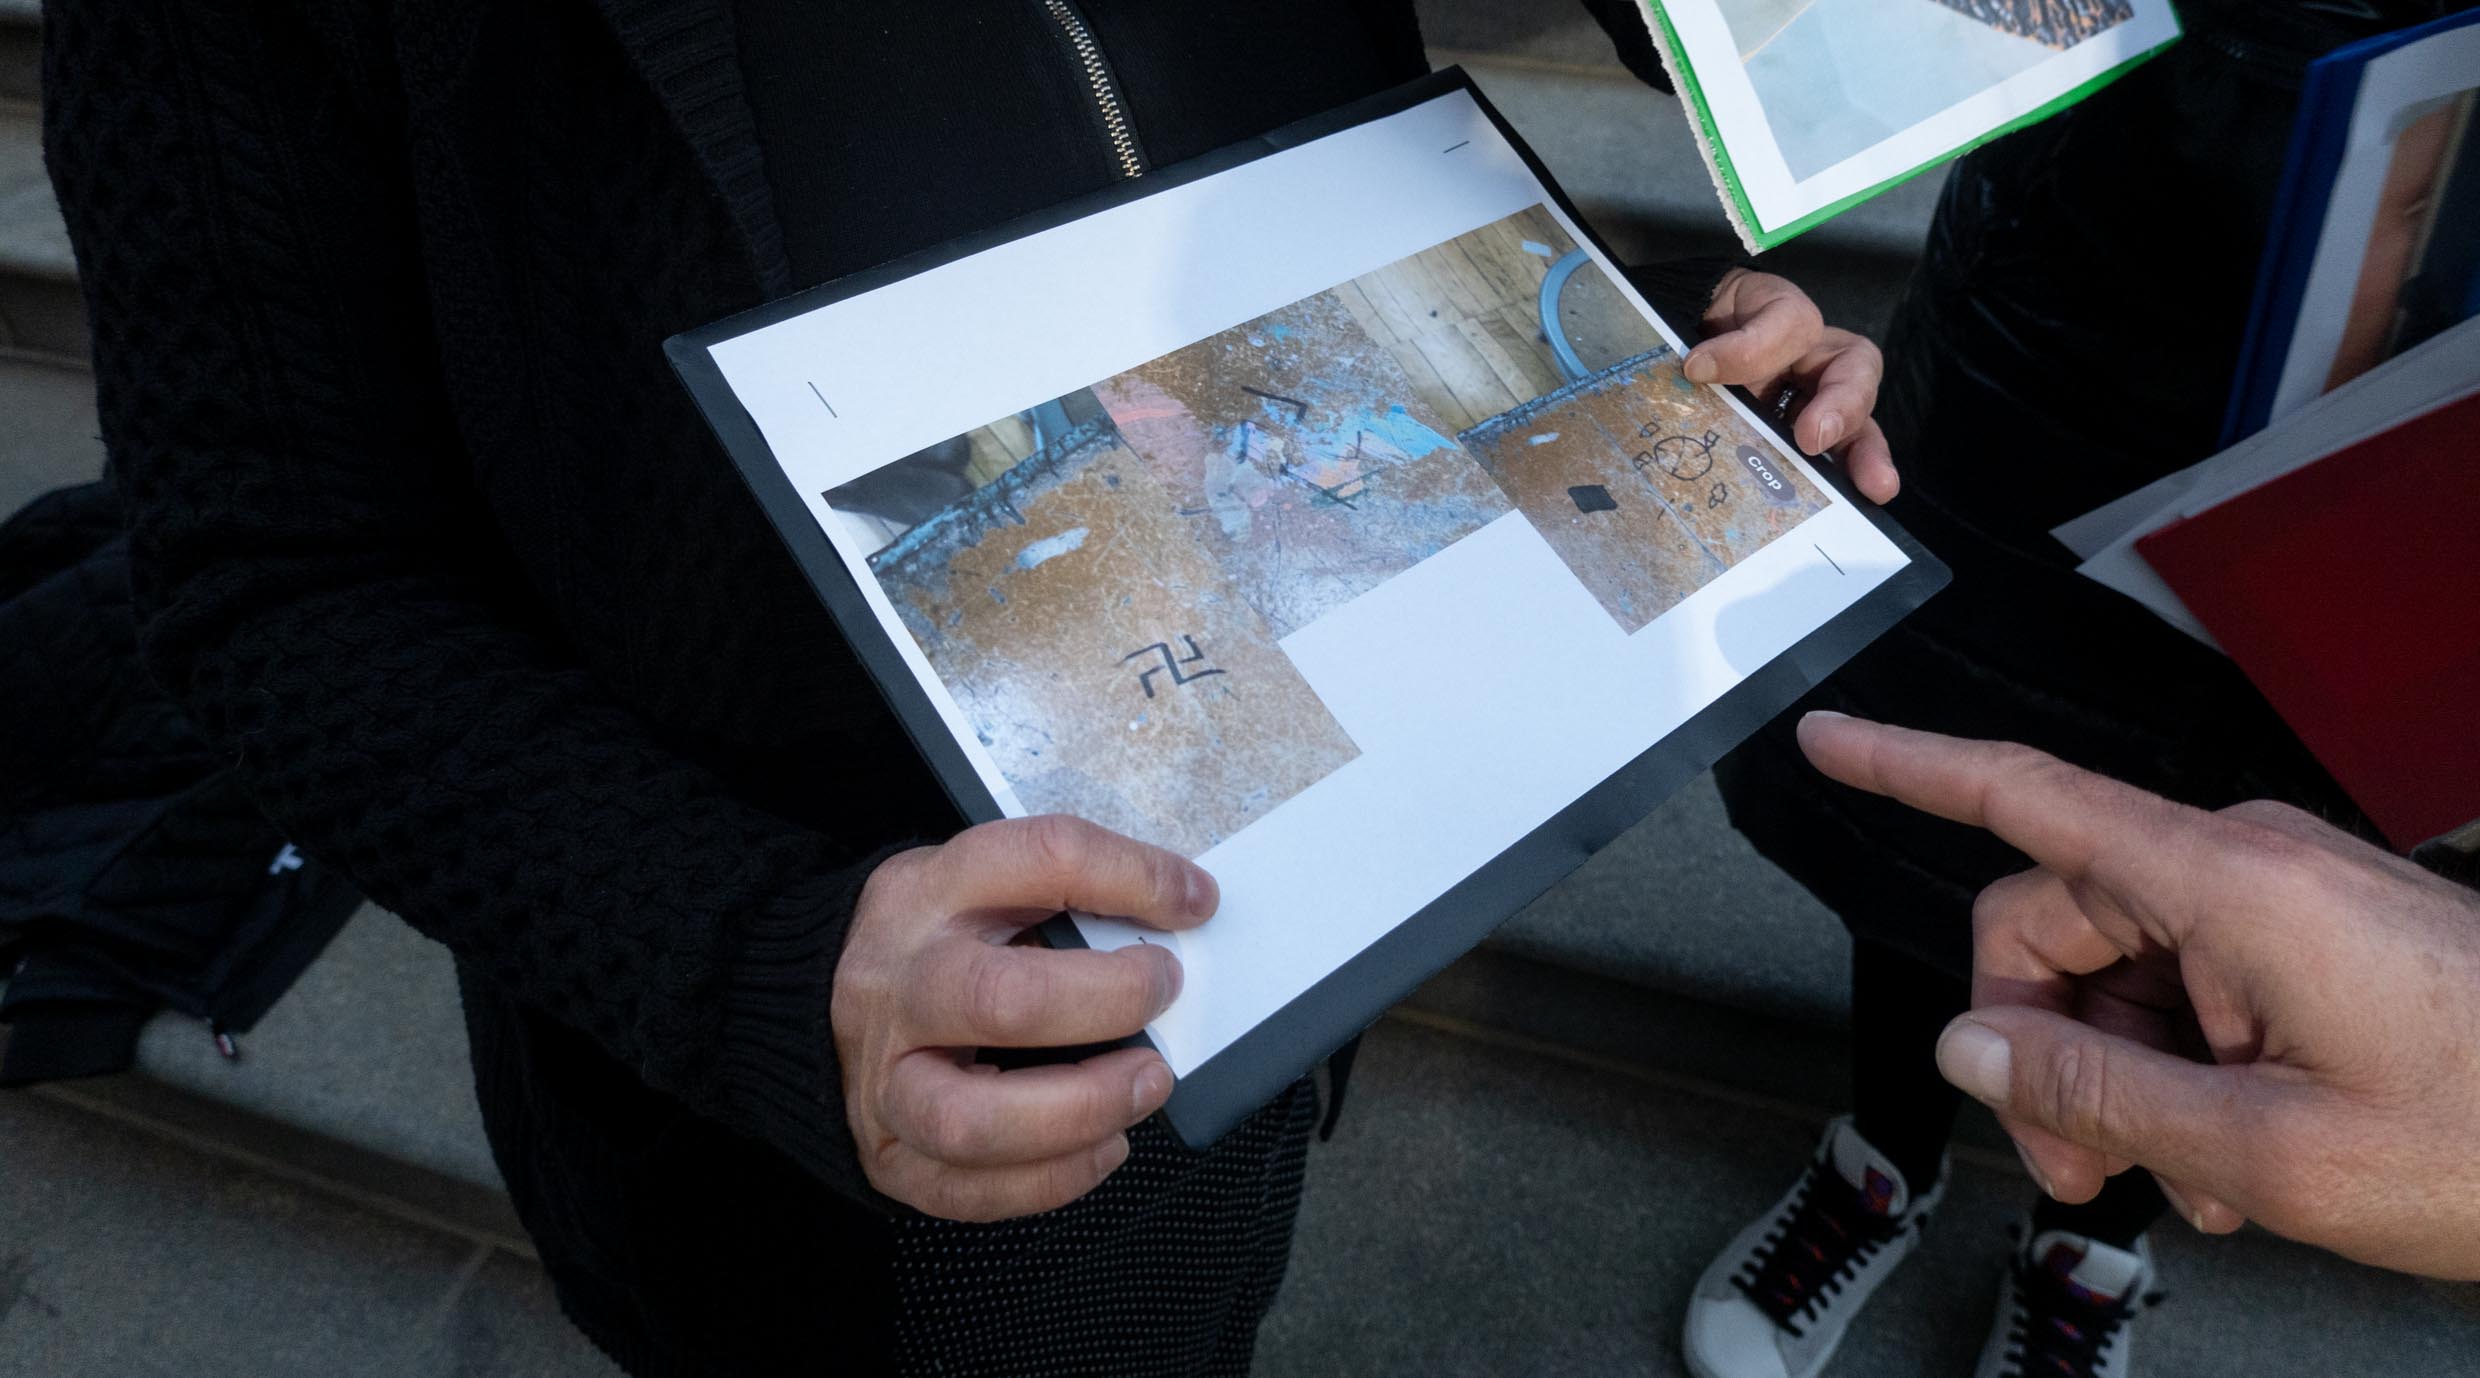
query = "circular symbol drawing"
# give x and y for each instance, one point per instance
(1684, 457)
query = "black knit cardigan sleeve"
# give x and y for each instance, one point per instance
(316, 583)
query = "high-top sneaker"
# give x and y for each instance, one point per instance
(1776, 1302)
(2067, 1309)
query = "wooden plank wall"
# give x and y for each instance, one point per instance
(1463, 318)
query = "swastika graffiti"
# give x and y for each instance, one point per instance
(1195, 656)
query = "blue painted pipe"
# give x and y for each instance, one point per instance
(1570, 363)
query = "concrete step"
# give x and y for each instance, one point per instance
(20, 49)
(41, 314)
(1623, 153)
(1677, 950)
(357, 1081)
(49, 438)
(1484, 1210)
(129, 1254)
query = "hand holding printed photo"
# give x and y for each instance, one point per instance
(1381, 560)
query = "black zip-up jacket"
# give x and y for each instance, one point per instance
(428, 541)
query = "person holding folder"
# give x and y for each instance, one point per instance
(427, 537)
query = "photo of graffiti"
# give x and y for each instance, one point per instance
(1103, 582)
(1310, 468)
(1107, 663)
(1646, 485)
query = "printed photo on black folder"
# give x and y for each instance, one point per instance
(1381, 559)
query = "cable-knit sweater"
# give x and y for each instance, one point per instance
(427, 539)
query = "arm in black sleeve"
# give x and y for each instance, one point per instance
(318, 583)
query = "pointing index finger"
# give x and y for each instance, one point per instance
(2138, 848)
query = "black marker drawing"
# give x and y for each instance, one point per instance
(1145, 681)
(1682, 457)
(1299, 408)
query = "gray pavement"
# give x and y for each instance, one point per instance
(123, 1255)
(1485, 1210)
(41, 313)
(47, 430)
(1681, 904)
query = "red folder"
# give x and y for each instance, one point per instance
(2349, 591)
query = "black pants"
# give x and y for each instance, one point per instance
(1900, 1104)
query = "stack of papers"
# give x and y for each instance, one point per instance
(2444, 369)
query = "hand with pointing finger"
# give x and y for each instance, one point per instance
(2281, 1022)
(929, 975)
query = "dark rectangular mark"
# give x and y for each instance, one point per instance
(1452, 147)
(822, 400)
(1838, 568)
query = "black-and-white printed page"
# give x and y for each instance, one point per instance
(1335, 519)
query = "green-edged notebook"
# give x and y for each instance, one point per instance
(1806, 108)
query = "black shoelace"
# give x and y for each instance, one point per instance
(1813, 1249)
(2060, 1330)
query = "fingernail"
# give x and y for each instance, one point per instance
(1153, 1088)
(2187, 1210)
(1828, 428)
(1813, 721)
(1167, 976)
(1978, 1060)
(2039, 1178)
(1203, 894)
(1109, 1156)
(1699, 368)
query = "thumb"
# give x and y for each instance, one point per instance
(2074, 1097)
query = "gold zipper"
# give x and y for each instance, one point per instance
(1115, 124)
